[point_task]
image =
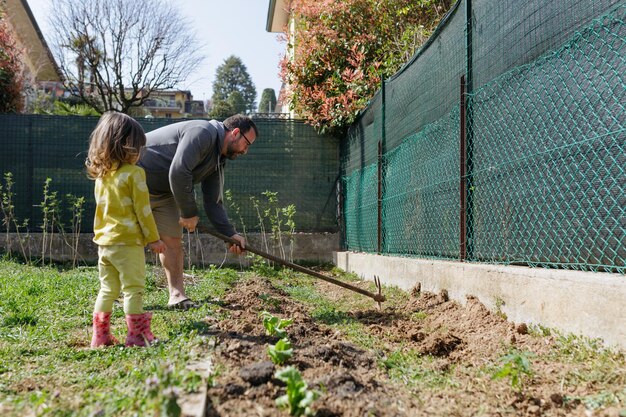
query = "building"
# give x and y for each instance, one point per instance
(278, 19)
(173, 104)
(41, 72)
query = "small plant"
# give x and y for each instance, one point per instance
(50, 209)
(76, 210)
(233, 206)
(261, 267)
(515, 367)
(279, 218)
(499, 302)
(289, 213)
(273, 214)
(6, 204)
(419, 316)
(280, 352)
(9, 219)
(275, 326)
(298, 397)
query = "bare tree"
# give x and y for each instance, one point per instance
(115, 53)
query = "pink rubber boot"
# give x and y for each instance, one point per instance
(102, 330)
(139, 333)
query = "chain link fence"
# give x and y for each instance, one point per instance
(502, 141)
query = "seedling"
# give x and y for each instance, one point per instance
(275, 326)
(515, 366)
(298, 398)
(280, 352)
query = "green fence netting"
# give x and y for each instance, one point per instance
(289, 159)
(502, 141)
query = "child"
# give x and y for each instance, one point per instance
(123, 224)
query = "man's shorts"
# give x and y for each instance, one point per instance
(166, 215)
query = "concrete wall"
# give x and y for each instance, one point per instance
(592, 304)
(201, 248)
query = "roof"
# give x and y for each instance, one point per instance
(277, 16)
(39, 58)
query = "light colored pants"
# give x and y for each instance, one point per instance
(121, 269)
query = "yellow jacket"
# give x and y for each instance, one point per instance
(123, 214)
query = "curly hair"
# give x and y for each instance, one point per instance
(117, 139)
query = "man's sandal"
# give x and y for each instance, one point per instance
(185, 304)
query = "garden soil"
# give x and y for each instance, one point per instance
(460, 341)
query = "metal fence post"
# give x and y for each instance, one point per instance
(381, 170)
(469, 135)
(463, 178)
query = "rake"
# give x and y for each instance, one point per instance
(378, 296)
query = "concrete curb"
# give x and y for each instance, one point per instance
(585, 303)
(200, 248)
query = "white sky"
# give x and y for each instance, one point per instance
(224, 27)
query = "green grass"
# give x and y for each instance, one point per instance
(47, 367)
(415, 370)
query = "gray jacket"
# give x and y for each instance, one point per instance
(182, 154)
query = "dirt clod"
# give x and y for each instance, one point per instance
(257, 373)
(522, 328)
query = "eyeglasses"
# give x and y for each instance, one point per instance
(245, 138)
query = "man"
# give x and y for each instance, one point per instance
(175, 158)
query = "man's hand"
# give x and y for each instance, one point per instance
(157, 247)
(189, 223)
(237, 249)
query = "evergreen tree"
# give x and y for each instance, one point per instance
(268, 101)
(221, 110)
(232, 76)
(236, 101)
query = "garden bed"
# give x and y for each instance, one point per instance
(422, 354)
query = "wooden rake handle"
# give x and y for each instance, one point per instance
(379, 297)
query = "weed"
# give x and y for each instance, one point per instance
(600, 400)
(262, 268)
(516, 367)
(579, 349)
(419, 316)
(539, 330)
(278, 218)
(298, 397)
(499, 302)
(412, 369)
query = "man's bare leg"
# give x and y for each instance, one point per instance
(173, 260)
